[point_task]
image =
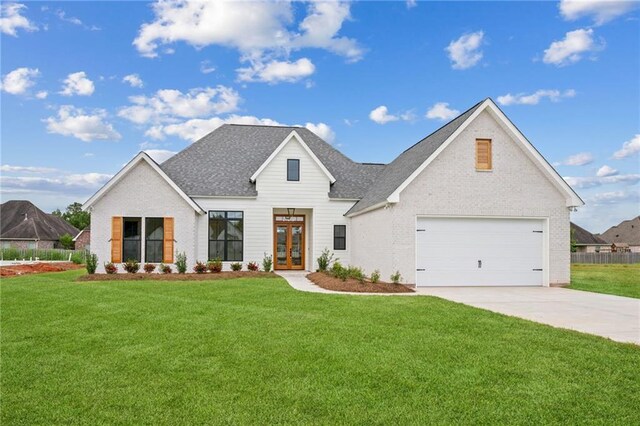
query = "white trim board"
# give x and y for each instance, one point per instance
(306, 148)
(142, 156)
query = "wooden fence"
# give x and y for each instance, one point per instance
(605, 257)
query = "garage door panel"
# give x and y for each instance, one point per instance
(510, 251)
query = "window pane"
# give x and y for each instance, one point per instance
(131, 228)
(153, 250)
(217, 229)
(293, 170)
(131, 250)
(234, 230)
(234, 250)
(216, 214)
(216, 250)
(154, 228)
(234, 215)
(340, 230)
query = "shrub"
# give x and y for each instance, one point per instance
(92, 263)
(200, 268)
(396, 277)
(339, 271)
(131, 266)
(252, 266)
(215, 265)
(110, 268)
(78, 257)
(267, 262)
(375, 276)
(66, 241)
(149, 267)
(356, 273)
(236, 266)
(165, 269)
(325, 260)
(181, 262)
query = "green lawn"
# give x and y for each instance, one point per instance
(257, 351)
(622, 280)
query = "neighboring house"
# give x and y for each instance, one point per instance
(83, 239)
(474, 203)
(586, 242)
(23, 225)
(625, 236)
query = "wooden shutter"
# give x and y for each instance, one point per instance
(116, 239)
(167, 244)
(483, 154)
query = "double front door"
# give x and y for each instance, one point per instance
(289, 242)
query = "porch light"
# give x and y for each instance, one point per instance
(290, 212)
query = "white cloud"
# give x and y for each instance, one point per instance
(87, 127)
(134, 80)
(323, 131)
(11, 19)
(381, 115)
(580, 159)
(42, 94)
(62, 183)
(276, 71)
(606, 171)
(77, 83)
(628, 149)
(70, 19)
(594, 181)
(194, 129)
(535, 98)
(26, 169)
(206, 67)
(257, 30)
(160, 155)
(411, 4)
(170, 105)
(465, 52)
(18, 81)
(614, 197)
(572, 48)
(441, 111)
(601, 11)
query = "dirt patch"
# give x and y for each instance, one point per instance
(328, 282)
(37, 268)
(177, 277)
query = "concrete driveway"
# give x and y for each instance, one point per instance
(614, 317)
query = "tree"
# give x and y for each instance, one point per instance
(66, 241)
(75, 215)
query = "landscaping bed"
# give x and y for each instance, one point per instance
(37, 268)
(329, 282)
(177, 277)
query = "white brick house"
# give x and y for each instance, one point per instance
(474, 203)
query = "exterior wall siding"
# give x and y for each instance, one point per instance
(451, 186)
(372, 242)
(142, 193)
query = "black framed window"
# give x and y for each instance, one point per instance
(339, 237)
(131, 239)
(154, 239)
(226, 235)
(293, 170)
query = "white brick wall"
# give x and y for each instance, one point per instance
(450, 185)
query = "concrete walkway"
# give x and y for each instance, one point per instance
(613, 317)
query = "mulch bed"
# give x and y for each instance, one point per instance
(177, 277)
(329, 282)
(37, 268)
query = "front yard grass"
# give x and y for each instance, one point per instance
(621, 280)
(255, 351)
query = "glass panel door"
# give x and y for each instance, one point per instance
(281, 246)
(296, 246)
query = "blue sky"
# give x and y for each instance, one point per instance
(87, 85)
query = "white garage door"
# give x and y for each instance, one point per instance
(479, 252)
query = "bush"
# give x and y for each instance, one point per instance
(131, 266)
(396, 277)
(110, 268)
(92, 263)
(267, 262)
(200, 268)
(215, 265)
(236, 266)
(325, 260)
(375, 276)
(181, 262)
(356, 273)
(165, 269)
(78, 257)
(252, 266)
(339, 271)
(66, 241)
(149, 267)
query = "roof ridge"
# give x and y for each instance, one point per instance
(282, 126)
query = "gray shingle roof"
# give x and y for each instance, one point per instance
(582, 236)
(222, 162)
(396, 172)
(20, 219)
(627, 231)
